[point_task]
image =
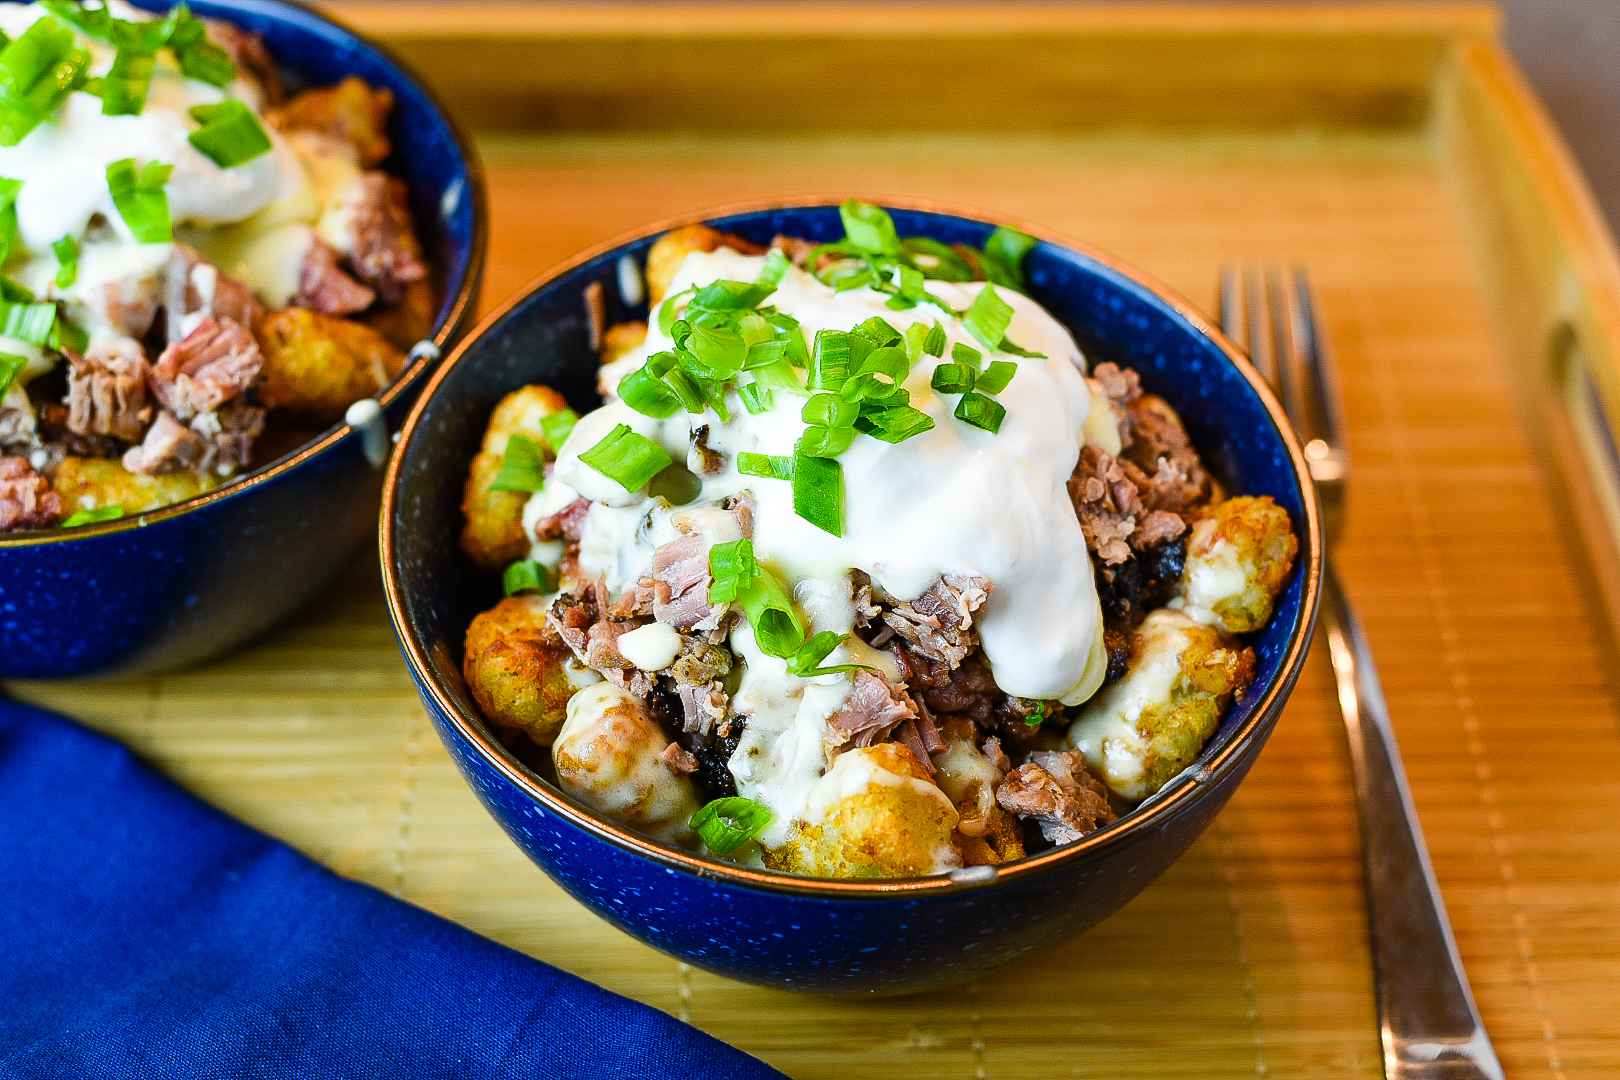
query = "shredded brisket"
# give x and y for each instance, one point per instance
(1054, 790)
(26, 498)
(107, 390)
(214, 363)
(873, 709)
(326, 287)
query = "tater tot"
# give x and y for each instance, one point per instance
(493, 535)
(875, 814)
(985, 833)
(620, 339)
(609, 755)
(351, 111)
(91, 483)
(1143, 730)
(670, 250)
(316, 365)
(520, 675)
(1238, 558)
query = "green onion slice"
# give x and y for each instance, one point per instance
(831, 360)
(10, 365)
(726, 824)
(67, 261)
(770, 614)
(1004, 256)
(557, 427)
(93, 515)
(755, 398)
(628, 458)
(878, 331)
(523, 467)
(895, 424)
(141, 200)
(199, 58)
(981, 412)
(824, 442)
(64, 335)
(526, 575)
(934, 343)
(996, 376)
(806, 663)
(124, 87)
(731, 570)
(32, 323)
(776, 268)
(37, 73)
(230, 134)
(648, 395)
(1035, 718)
(966, 354)
(988, 317)
(766, 465)
(954, 378)
(869, 228)
(818, 492)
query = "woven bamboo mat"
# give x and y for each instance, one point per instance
(1248, 957)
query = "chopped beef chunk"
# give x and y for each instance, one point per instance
(938, 623)
(1146, 580)
(1106, 502)
(18, 428)
(383, 250)
(1120, 386)
(1055, 791)
(326, 287)
(996, 756)
(232, 430)
(680, 584)
(967, 690)
(214, 363)
(932, 741)
(678, 761)
(129, 305)
(702, 706)
(1117, 640)
(26, 498)
(1169, 472)
(602, 655)
(907, 735)
(169, 446)
(195, 289)
(873, 709)
(566, 524)
(107, 390)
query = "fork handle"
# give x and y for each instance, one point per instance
(1430, 1026)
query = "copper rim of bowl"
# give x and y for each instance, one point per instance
(456, 317)
(1162, 807)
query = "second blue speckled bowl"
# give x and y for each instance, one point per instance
(851, 937)
(176, 585)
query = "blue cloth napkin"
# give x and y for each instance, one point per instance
(145, 934)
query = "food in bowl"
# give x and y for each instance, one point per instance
(200, 271)
(859, 572)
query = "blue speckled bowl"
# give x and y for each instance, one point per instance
(851, 937)
(177, 585)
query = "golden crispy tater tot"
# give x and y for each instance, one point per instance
(609, 755)
(493, 535)
(1238, 558)
(520, 675)
(621, 338)
(351, 111)
(670, 250)
(91, 483)
(316, 366)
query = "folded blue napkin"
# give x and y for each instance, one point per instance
(145, 934)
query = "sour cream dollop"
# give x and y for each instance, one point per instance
(954, 500)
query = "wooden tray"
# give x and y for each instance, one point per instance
(1469, 289)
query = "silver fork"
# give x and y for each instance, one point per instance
(1428, 1021)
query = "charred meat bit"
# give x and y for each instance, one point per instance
(1055, 791)
(566, 524)
(107, 390)
(26, 498)
(214, 363)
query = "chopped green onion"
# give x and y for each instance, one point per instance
(934, 343)
(831, 360)
(889, 361)
(776, 268)
(818, 492)
(28, 322)
(10, 365)
(523, 467)
(989, 316)
(627, 457)
(910, 282)
(37, 73)
(1035, 718)
(93, 515)
(123, 89)
(1008, 347)
(648, 395)
(726, 824)
(765, 353)
(981, 412)
(141, 200)
(770, 614)
(855, 281)
(872, 391)
(966, 354)
(878, 331)
(724, 295)
(766, 465)
(8, 219)
(67, 261)
(199, 58)
(13, 293)
(895, 424)
(1005, 250)
(869, 228)
(667, 313)
(936, 260)
(526, 575)
(954, 378)
(64, 335)
(557, 427)
(806, 663)
(731, 570)
(230, 134)
(828, 410)
(755, 398)
(824, 442)
(996, 376)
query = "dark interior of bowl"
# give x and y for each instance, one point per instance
(544, 338)
(315, 52)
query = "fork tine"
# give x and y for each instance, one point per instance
(1323, 397)
(1257, 324)
(1285, 349)
(1232, 310)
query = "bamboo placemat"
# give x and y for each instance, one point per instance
(1248, 957)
